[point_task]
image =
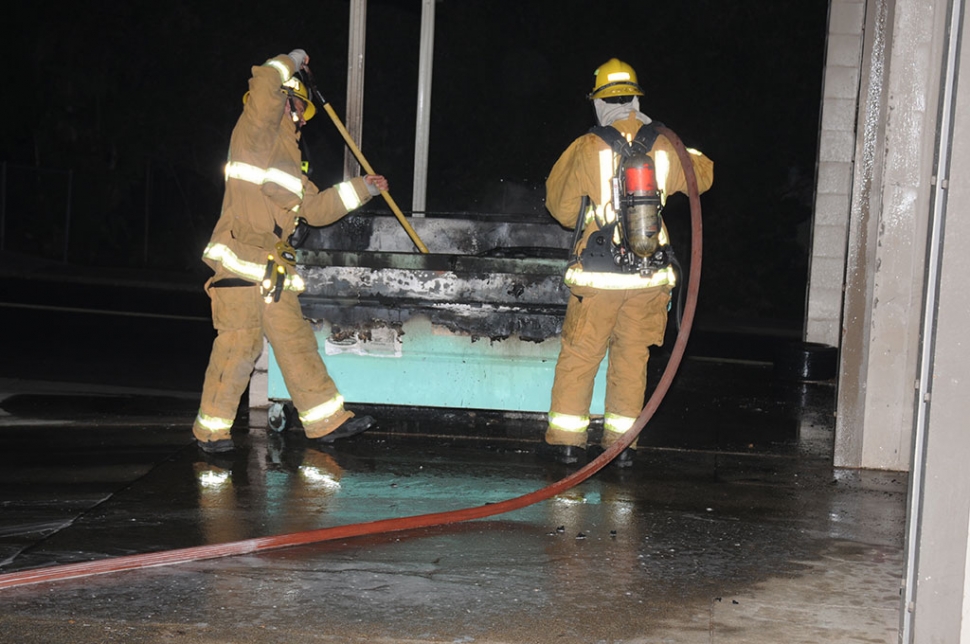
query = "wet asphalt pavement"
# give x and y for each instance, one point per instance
(731, 527)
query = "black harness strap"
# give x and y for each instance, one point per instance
(598, 254)
(643, 141)
(645, 137)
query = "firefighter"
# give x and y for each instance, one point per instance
(255, 285)
(619, 295)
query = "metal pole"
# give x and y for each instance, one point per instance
(421, 134)
(357, 35)
(924, 384)
(67, 217)
(3, 207)
(148, 193)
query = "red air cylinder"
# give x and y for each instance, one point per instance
(641, 179)
(641, 205)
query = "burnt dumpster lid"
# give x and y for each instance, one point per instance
(541, 261)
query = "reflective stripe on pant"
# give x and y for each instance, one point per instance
(238, 343)
(614, 426)
(566, 429)
(241, 318)
(210, 429)
(625, 322)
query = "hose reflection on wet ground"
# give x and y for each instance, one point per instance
(731, 522)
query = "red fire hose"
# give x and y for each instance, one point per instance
(214, 551)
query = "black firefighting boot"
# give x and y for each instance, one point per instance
(352, 427)
(216, 447)
(565, 454)
(622, 460)
(625, 458)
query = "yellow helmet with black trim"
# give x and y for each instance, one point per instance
(298, 89)
(615, 78)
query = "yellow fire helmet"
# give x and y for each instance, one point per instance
(295, 87)
(614, 78)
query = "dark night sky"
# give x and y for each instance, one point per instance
(110, 89)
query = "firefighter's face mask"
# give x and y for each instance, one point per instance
(609, 111)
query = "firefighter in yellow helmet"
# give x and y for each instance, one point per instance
(619, 275)
(254, 288)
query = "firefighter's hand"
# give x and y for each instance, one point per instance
(299, 58)
(375, 184)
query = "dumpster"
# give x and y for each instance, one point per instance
(473, 324)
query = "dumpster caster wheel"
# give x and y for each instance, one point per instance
(281, 417)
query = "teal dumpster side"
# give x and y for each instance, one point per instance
(475, 327)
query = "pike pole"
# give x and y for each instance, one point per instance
(363, 161)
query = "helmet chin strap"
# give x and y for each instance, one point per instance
(294, 114)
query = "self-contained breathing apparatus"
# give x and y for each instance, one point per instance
(630, 243)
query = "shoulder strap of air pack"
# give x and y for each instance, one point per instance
(643, 140)
(645, 137)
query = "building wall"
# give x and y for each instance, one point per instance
(937, 599)
(890, 208)
(873, 192)
(836, 152)
(897, 260)
(941, 611)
